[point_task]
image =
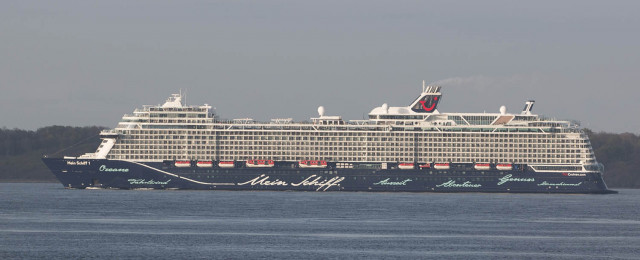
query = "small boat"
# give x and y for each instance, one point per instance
(406, 166)
(182, 164)
(425, 166)
(229, 164)
(441, 166)
(204, 164)
(482, 166)
(312, 164)
(504, 167)
(260, 163)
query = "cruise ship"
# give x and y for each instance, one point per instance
(413, 148)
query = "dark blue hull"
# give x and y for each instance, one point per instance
(116, 174)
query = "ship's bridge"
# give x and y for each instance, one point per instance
(173, 111)
(175, 103)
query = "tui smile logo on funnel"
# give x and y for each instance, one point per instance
(430, 108)
(426, 104)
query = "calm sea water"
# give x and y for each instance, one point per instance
(47, 221)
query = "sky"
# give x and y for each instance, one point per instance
(84, 63)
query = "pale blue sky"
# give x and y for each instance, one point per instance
(89, 62)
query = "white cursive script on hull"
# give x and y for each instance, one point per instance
(322, 183)
(545, 183)
(453, 184)
(264, 180)
(143, 181)
(103, 168)
(507, 178)
(394, 183)
(319, 181)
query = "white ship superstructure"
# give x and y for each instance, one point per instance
(418, 134)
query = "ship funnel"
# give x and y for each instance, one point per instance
(428, 100)
(528, 107)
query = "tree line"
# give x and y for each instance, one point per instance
(620, 154)
(21, 150)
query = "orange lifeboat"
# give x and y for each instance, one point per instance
(182, 164)
(226, 164)
(425, 166)
(504, 167)
(482, 166)
(260, 163)
(312, 164)
(204, 164)
(406, 166)
(441, 166)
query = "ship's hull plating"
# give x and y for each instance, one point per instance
(116, 174)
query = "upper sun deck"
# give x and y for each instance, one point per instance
(422, 112)
(173, 105)
(173, 111)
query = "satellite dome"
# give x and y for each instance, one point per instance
(385, 108)
(321, 111)
(503, 110)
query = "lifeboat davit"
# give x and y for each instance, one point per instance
(406, 166)
(312, 164)
(504, 167)
(204, 164)
(482, 166)
(226, 164)
(441, 166)
(182, 164)
(260, 163)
